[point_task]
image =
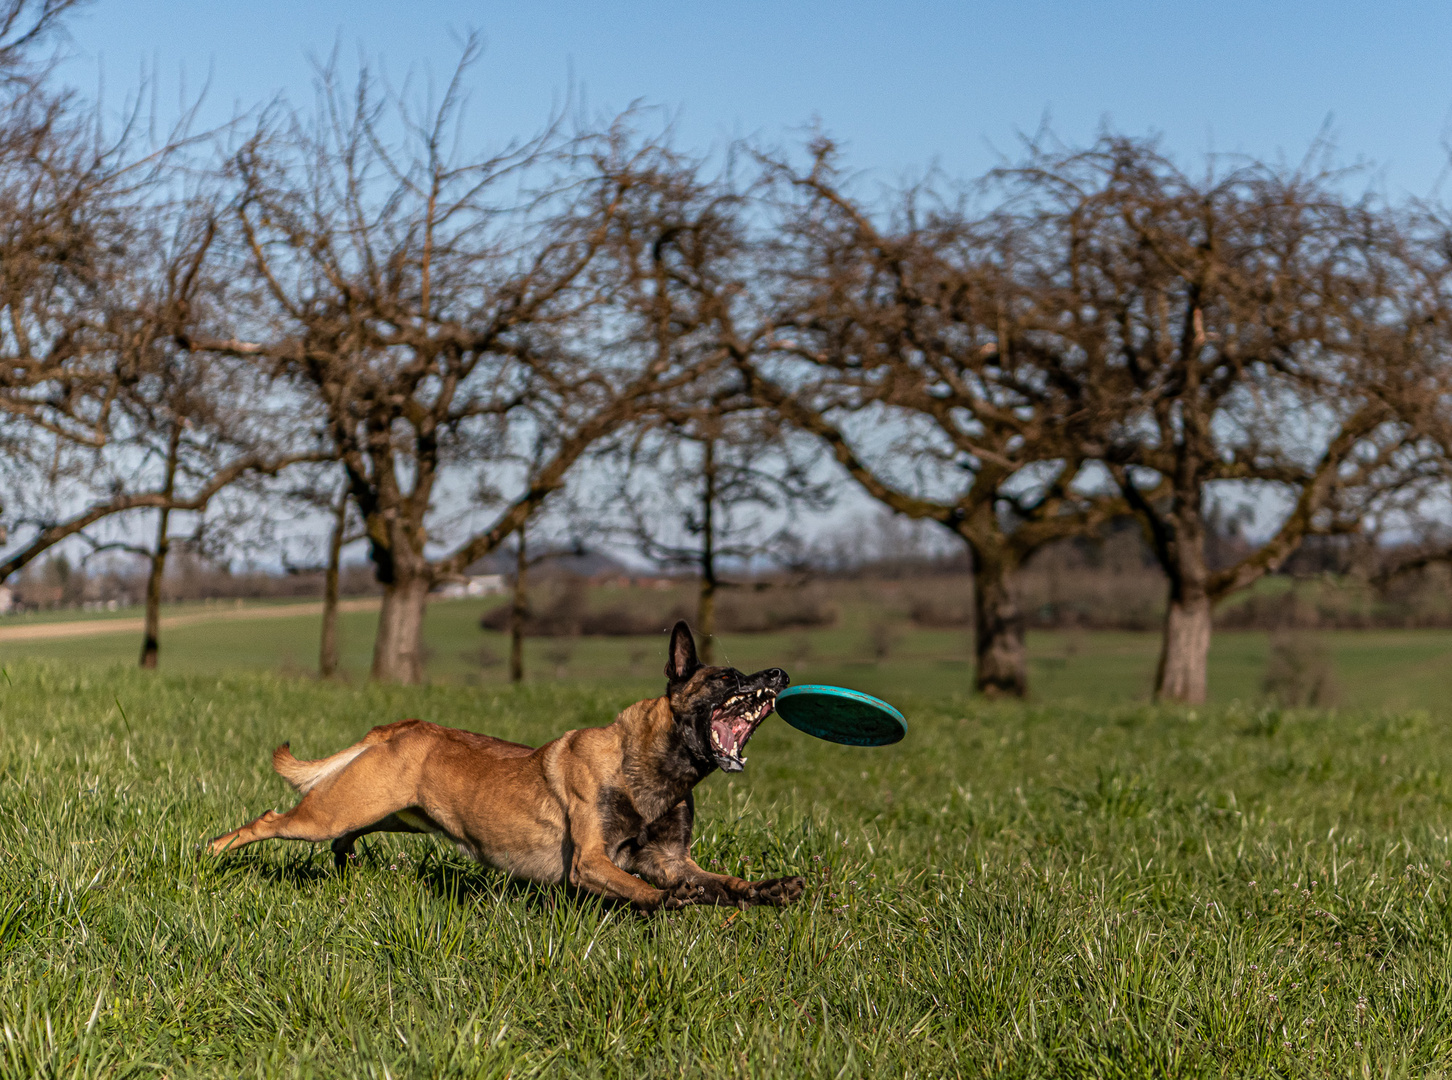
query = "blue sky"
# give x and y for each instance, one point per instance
(904, 85)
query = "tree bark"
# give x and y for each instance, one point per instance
(398, 649)
(1185, 652)
(518, 612)
(1179, 538)
(998, 631)
(706, 608)
(328, 646)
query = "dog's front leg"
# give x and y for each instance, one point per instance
(593, 871)
(665, 859)
(699, 886)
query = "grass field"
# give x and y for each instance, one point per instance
(1391, 669)
(1041, 890)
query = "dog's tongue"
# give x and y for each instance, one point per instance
(730, 732)
(724, 736)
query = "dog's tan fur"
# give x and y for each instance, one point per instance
(591, 809)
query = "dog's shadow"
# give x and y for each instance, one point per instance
(480, 885)
(296, 871)
(468, 885)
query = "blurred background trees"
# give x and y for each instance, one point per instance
(709, 477)
(1246, 365)
(904, 346)
(1233, 337)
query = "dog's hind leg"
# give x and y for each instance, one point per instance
(343, 850)
(358, 800)
(309, 822)
(343, 845)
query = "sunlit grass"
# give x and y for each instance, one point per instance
(1065, 890)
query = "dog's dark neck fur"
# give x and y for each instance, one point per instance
(660, 765)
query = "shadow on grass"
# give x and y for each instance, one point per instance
(457, 883)
(469, 885)
(295, 870)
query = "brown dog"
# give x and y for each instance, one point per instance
(590, 809)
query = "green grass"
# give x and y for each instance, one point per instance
(1042, 890)
(1399, 669)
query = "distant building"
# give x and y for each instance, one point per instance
(471, 585)
(7, 600)
(596, 567)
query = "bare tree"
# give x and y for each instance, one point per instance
(186, 430)
(151, 633)
(519, 604)
(519, 609)
(709, 478)
(1236, 329)
(337, 538)
(64, 202)
(1399, 516)
(714, 484)
(318, 495)
(903, 347)
(90, 270)
(437, 312)
(25, 25)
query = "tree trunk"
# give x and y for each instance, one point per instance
(151, 635)
(1185, 653)
(398, 649)
(328, 647)
(1185, 649)
(151, 639)
(706, 609)
(998, 631)
(518, 613)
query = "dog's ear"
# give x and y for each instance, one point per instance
(681, 662)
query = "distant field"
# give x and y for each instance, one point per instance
(1026, 891)
(1397, 669)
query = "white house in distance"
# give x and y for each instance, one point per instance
(494, 574)
(7, 600)
(472, 585)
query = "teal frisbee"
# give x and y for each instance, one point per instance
(840, 715)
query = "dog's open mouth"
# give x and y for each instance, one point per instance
(733, 723)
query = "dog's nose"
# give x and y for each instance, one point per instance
(778, 677)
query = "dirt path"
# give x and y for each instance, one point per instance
(93, 627)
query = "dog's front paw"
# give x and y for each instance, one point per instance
(778, 891)
(684, 895)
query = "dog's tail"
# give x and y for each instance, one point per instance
(306, 775)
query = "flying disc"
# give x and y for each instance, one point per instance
(840, 715)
